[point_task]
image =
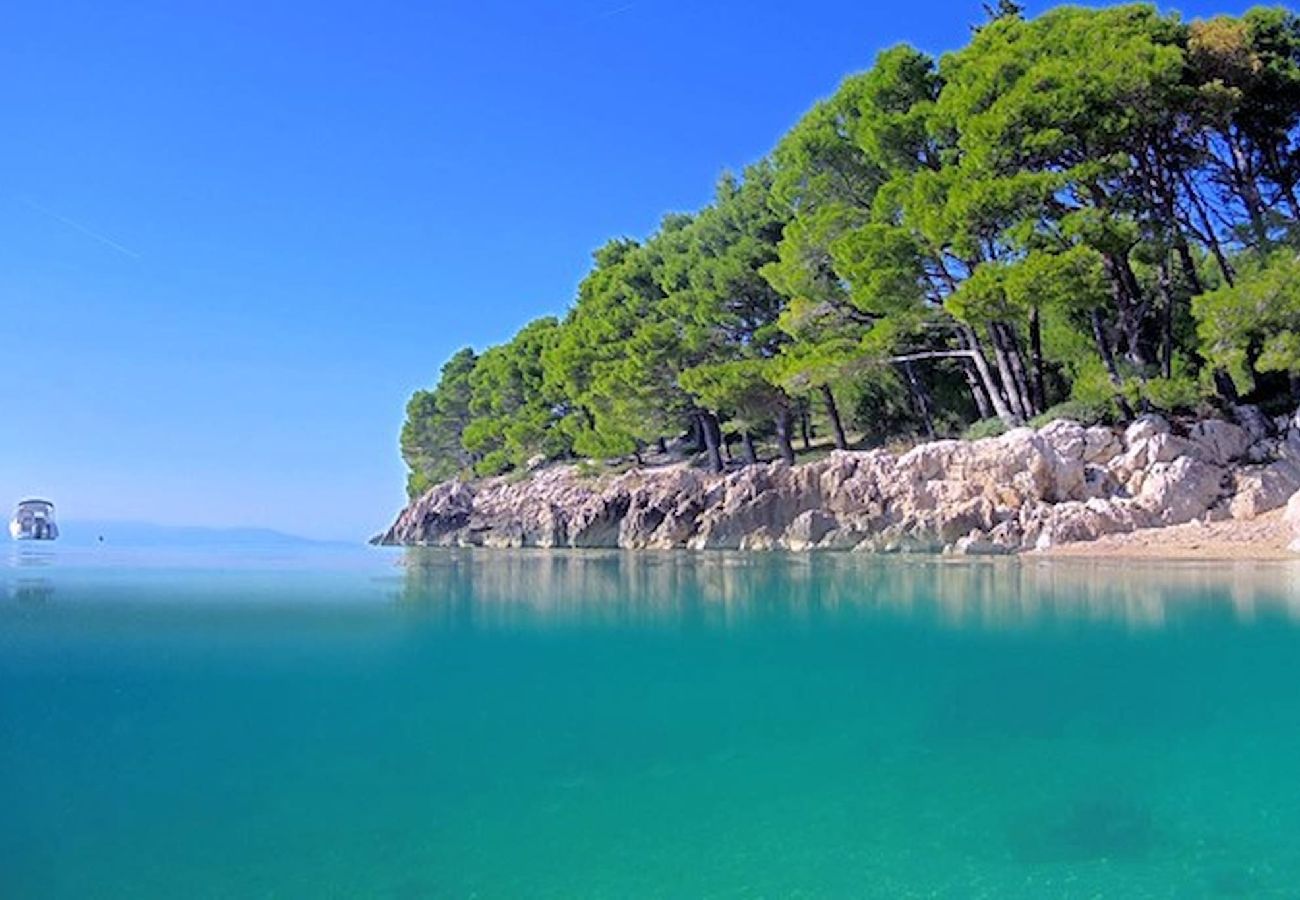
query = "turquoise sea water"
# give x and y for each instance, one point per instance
(456, 724)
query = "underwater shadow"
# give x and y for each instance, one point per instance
(1088, 828)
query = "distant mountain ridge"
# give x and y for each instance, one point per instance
(90, 531)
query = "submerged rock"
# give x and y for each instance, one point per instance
(1025, 489)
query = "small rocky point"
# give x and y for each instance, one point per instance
(1025, 490)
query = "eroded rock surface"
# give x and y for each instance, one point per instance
(1026, 489)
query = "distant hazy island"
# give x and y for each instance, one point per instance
(115, 533)
(1087, 216)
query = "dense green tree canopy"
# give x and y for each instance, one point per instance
(1093, 205)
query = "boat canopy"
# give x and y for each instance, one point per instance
(33, 521)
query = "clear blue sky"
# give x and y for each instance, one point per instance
(235, 236)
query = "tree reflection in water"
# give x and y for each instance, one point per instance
(542, 588)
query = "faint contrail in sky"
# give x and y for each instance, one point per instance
(88, 232)
(613, 12)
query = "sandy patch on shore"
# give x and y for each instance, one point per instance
(1264, 538)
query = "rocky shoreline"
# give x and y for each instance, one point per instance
(1027, 490)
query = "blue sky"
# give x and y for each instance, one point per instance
(235, 236)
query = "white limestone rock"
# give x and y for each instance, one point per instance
(1145, 427)
(1025, 488)
(1219, 442)
(1260, 489)
(1292, 519)
(1180, 491)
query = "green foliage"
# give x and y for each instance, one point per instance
(494, 462)
(1253, 326)
(435, 425)
(742, 390)
(614, 357)
(1083, 413)
(1176, 394)
(985, 428)
(513, 413)
(1092, 204)
(878, 406)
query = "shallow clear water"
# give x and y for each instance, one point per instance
(339, 724)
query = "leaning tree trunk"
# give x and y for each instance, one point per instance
(833, 413)
(1018, 369)
(991, 389)
(1249, 192)
(979, 394)
(1207, 227)
(783, 422)
(1287, 189)
(1004, 372)
(1188, 265)
(1226, 388)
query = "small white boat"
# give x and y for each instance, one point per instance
(34, 521)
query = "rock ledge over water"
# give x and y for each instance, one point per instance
(1028, 489)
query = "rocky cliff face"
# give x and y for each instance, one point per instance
(1024, 490)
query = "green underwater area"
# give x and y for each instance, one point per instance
(479, 724)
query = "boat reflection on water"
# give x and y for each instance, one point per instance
(539, 588)
(31, 591)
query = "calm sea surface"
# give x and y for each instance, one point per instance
(323, 724)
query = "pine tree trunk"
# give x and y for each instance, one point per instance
(921, 397)
(805, 428)
(783, 435)
(1189, 266)
(1127, 294)
(1008, 379)
(1249, 191)
(1227, 389)
(1036, 360)
(977, 390)
(1019, 371)
(712, 439)
(1108, 359)
(991, 389)
(1210, 238)
(833, 413)
(1166, 288)
(1288, 193)
(751, 455)
(981, 399)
